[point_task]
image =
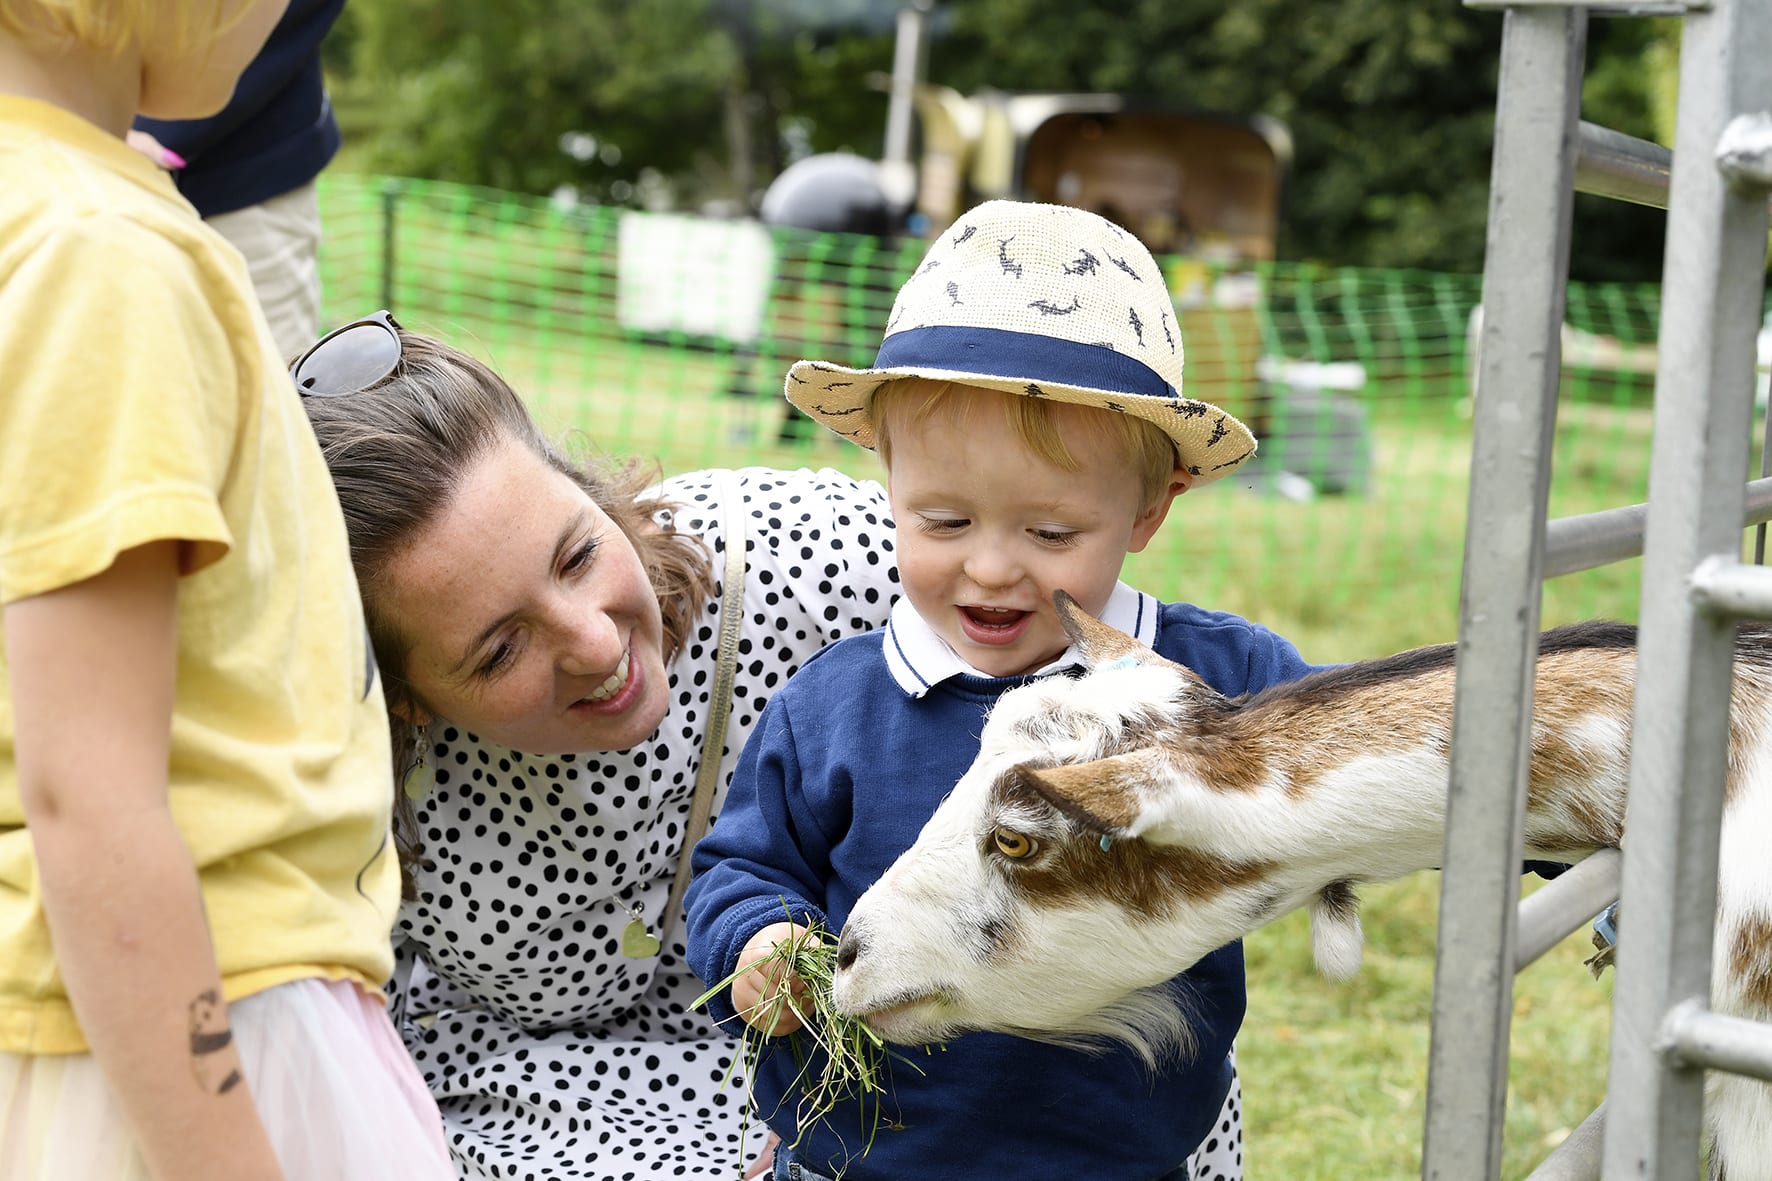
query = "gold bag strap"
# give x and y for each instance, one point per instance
(720, 699)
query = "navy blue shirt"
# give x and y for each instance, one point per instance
(275, 134)
(841, 774)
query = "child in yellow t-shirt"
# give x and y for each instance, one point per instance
(196, 879)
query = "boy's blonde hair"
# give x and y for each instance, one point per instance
(112, 27)
(1149, 451)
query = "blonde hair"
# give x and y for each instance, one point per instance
(112, 27)
(1150, 452)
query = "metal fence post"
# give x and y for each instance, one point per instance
(1525, 272)
(1712, 278)
(390, 209)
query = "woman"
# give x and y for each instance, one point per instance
(549, 637)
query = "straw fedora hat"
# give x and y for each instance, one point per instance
(1048, 301)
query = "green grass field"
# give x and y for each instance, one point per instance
(1334, 1074)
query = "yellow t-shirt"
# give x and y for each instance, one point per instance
(142, 399)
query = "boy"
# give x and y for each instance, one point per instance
(1025, 401)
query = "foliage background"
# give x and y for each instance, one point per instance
(699, 103)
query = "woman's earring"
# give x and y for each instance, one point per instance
(418, 778)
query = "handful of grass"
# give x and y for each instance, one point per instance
(854, 1064)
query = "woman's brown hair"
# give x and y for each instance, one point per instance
(397, 453)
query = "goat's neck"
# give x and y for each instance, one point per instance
(1368, 815)
(1326, 793)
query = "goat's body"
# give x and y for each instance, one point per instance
(1338, 746)
(1193, 819)
(1344, 776)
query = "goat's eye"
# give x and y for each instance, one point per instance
(1014, 845)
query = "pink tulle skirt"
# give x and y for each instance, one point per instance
(338, 1094)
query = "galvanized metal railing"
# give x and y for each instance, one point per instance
(1715, 186)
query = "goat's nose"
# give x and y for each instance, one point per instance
(848, 947)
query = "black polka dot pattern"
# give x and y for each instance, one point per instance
(550, 1053)
(1220, 1158)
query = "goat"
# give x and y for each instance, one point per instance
(1118, 826)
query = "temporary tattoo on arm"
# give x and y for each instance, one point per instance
(210, 1036)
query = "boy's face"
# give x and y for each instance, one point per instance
(987, 529)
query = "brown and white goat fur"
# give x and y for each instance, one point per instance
(1117, 827)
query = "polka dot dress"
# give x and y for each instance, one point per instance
(1220, 1158)
(550, 1053)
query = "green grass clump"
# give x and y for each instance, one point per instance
(854, 1063)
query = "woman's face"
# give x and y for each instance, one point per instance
(530, 619)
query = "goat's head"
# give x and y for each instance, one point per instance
(1051, 892)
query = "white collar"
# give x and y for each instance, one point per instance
(918, 659)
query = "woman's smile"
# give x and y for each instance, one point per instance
(616, 680)
(618, 691)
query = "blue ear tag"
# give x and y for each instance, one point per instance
(1107, 842)
(1606, 925)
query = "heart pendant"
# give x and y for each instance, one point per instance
(637, 943)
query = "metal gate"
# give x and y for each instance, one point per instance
(1695, 588)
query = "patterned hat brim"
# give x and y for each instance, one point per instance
(1210, 441)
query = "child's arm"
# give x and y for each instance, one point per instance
(93, 673)
(760, 872)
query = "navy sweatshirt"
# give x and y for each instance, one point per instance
(840, 775)
(275, 134)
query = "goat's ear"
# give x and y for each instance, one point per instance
(1102, 796)
(1099, 643)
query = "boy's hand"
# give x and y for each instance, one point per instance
(753, 994)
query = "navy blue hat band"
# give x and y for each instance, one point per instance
(1021, 356)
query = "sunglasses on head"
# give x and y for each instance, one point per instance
(350, 359)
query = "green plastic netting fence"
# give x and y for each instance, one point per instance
(667, 336)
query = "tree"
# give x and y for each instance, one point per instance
(1390, 103)
(482, 93)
